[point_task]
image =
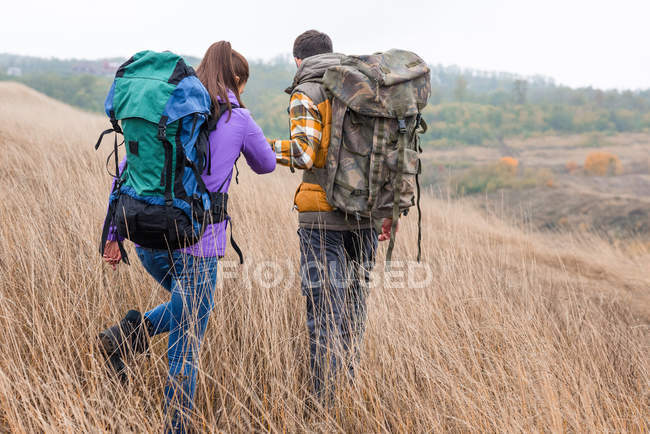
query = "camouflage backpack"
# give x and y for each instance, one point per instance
(373, 157)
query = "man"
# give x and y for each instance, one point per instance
(337, 252)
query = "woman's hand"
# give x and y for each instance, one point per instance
(112, 253)
(385, 229)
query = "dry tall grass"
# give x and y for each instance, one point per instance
(516, 332)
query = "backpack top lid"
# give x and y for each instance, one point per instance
(392, 84)
(157, 87)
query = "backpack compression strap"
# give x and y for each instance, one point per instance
(422, 126)
(234, 244)
(110, 214)
(117, 130)
(401, 146)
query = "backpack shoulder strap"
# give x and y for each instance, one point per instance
(211, 125)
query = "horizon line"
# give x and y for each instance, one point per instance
(288, 56)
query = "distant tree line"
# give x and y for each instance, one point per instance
(477, 107)
(467, 107)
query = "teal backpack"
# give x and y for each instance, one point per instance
(163, 111)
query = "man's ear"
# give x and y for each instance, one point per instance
(298, 61)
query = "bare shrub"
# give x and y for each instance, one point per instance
(510, 164)
(571, 167)
(603, 163)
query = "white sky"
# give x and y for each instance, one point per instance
(577, 42)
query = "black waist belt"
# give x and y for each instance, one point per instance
(219, 209)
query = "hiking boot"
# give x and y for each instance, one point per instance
(129, 336)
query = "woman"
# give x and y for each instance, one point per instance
(190, 274)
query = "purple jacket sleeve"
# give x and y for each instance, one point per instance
(112, 231)
(259, 155)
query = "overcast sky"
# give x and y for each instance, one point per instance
(577, 42)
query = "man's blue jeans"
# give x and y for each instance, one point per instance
(191, 281)
(335, 269)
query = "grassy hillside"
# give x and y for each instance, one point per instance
(515, 331)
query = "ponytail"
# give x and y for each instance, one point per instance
(218, 71)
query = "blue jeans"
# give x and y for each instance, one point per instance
(191, 281)
(335, 269)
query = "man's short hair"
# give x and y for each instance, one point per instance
(311, 43)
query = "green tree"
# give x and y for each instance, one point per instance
(519, 89)
(460, 91)
(560, 119)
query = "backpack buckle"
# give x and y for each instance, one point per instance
(116, 126)
(162, 132)
(401, 123)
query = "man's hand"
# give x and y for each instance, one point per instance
(385, 229)
(112, 253)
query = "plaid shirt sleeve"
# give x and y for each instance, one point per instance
(306, 133)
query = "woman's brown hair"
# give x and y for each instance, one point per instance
(218, 72)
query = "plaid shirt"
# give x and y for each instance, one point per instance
(306, 134)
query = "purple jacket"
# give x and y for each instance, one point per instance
(239, 134)
(232, 137)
